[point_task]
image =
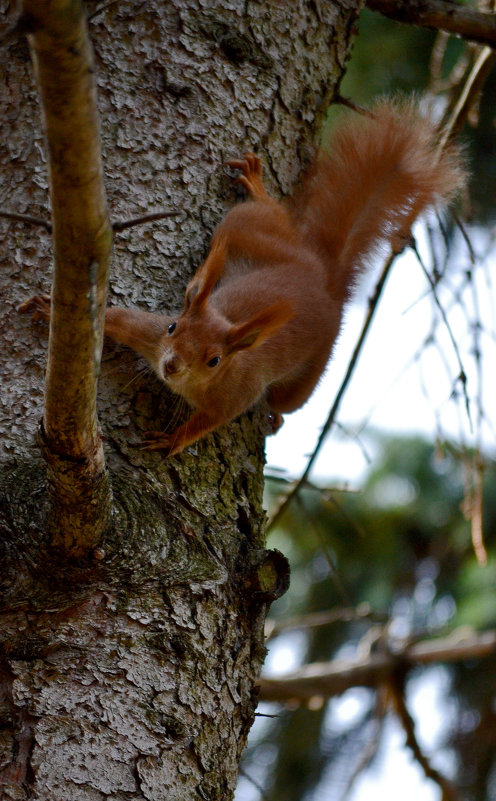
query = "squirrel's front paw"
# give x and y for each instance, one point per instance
(38, 305)
(160, 441)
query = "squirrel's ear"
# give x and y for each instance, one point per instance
(200, 287)
(261, 327)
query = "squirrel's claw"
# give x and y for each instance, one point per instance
(251, 177)
(158, 441)
(38, 305)
(275, 420)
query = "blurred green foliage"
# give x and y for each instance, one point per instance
(387, 57)
(402, 546)
(405, 522)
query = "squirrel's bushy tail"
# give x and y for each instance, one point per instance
(380, 173)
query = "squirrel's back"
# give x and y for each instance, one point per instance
(382, 170)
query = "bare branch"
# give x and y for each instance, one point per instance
(462, 376)
(101, 9)
(119, 225)
(349, 103)
(333, 678)
(469, 94)
(255, 784)
(397, 695)
(441, 15)
(146, 218)
(82, 239)
(314, 620)
(328, 555)
(28, 219)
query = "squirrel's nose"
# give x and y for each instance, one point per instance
(170, 366)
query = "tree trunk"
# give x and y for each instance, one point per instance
(130, 674)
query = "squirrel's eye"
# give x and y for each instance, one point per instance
(214, 361)
(171, 328)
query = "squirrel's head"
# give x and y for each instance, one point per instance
(200, 345)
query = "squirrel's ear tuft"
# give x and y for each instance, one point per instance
(261, 327)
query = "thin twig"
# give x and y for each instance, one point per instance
(106, 6)
(346, 101)
(465, 236)
(266, 715)
(436, 59)
(462, 377)
(397, 694)
(476, 510)
(254, 782)
(101, 9)
(477, 461)
(282, 479)
(330, 501)
(117, 227)
(28, 219)
(146, 218)
(437, 83)
(371, 747)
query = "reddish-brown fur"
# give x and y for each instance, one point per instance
(262, 314)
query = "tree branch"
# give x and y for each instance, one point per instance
(314, 620)
(117, 226)
(397, 694)
(28, 219)
(82, 239)
(456, 117)
(122, 225)
(441, 15)
(333, 678)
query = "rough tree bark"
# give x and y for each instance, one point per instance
(130, 673)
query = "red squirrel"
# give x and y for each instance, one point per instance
(262, 313)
